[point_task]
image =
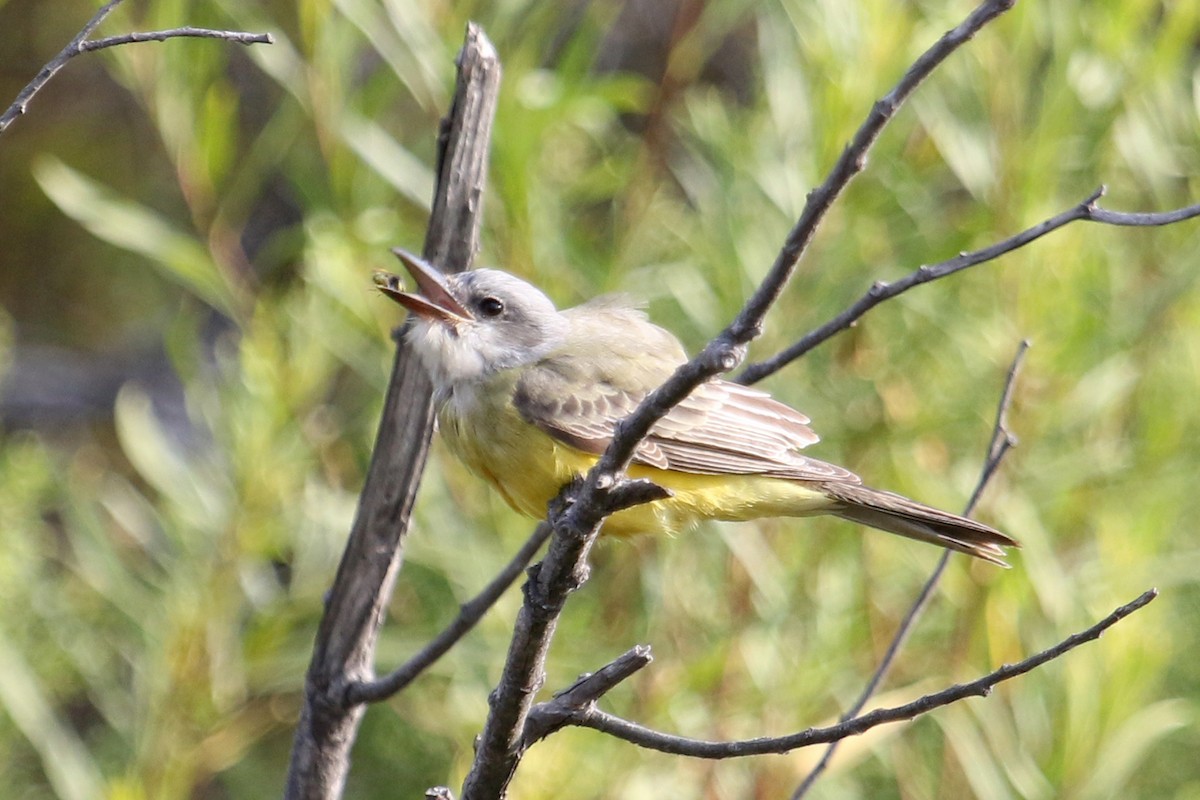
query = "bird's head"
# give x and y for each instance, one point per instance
(473, 324)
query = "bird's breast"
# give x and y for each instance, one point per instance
(482, 428)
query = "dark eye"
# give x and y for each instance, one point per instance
(491, 306)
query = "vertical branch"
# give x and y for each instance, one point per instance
(344, 650)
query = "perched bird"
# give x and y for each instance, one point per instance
(529, 396)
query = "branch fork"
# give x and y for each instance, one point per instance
(81, 44)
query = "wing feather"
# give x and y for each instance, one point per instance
(579, 394)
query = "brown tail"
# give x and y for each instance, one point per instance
(897, 514)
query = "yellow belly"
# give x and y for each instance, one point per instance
(528, 467)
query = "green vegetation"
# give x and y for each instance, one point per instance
(221, 209)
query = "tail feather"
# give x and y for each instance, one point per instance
(897, 514)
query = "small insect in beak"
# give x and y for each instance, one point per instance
(435, 302)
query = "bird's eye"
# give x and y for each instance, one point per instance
(491, 306)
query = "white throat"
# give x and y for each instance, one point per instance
(446, 356)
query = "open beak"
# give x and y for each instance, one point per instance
(435, 302)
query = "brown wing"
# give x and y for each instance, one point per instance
(615, 358)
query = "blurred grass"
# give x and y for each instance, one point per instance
(164, 563)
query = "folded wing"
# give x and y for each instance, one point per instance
(579, 395)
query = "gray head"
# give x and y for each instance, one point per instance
(473, 324)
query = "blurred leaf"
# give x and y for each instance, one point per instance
(178, 257)
(65, 758)
(1125, 751)
(407, 175)
(159, 459)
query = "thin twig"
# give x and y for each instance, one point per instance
(469, 615)
(546, 718)
(53, 66)
(698, 748)
(1002, 440)
(501, 743)
(80, 44)
(237, 37)
(1086, 210)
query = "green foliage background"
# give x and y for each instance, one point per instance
(219, 210)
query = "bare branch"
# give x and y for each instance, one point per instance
(343, 653)
(237, 37)
(53, 66)
(80, 44)
(1086, 210)
(471, 612)
(1001, 442)
(726, 351)
(699, 748)
(1141, 220)
(630, 493)
(1003, 439)
(546, 718)
(501, 743)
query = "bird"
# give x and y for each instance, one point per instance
(528, 397)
